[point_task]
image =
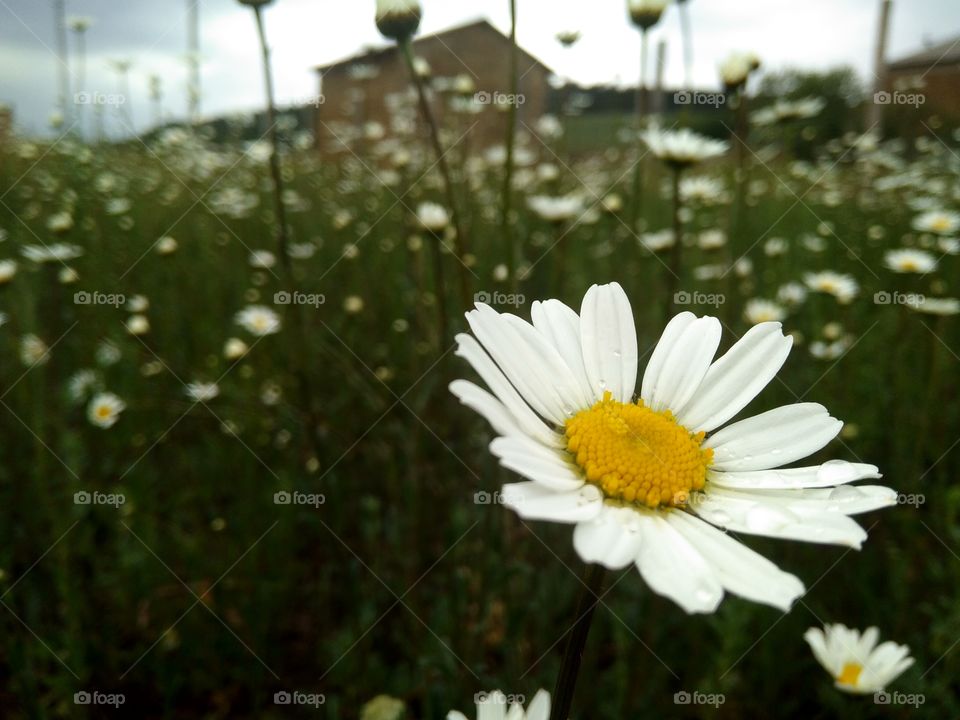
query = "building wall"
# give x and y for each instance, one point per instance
(940, 87)
(479, 52)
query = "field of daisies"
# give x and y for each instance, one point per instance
(662, 427)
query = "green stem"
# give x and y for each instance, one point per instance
(573, 653)
(513, 250)
(641, 110)
(460, 243)
(676, 252)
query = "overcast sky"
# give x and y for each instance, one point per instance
(305, 33)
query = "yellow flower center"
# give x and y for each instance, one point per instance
(104, 411)
(636, 455)
(908, 265)
(850, 674)
(940, 224)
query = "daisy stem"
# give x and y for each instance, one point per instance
(437, 248)
(460, 243)
(299, 344)
(573, 653)
(676, 252)
(641, 108)
(507, 203)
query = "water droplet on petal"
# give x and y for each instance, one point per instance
(836, 472)
(768, 519)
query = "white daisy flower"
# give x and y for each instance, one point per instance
(659, 240)
(234, 349)
(202, 391)
(908, 260)
(262, 259)
(843, 287)
(703, 190)
(934, 306)
(556, 209)
(649, 479)
(432, 217)
(854, 660)
(937, 221)
(138, 325)
(496, 706)
(646, 13)
(33, 351)
(758, 310)
(166, 245)
(8, 268)
(258, 320)
(682, 148)
(55, 252)
(104, 409)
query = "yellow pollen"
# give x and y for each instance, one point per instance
(636, 455)
(850, 674)
(104, 411)
(940, 224)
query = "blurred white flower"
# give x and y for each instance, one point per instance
(33, 350)
(138, 325)
(910, 261)
(646, 13)
(138, 304)
(57, 252)
(682, 148)
(353, 304)
(8, 268)
(258, 320)
(934, 306)
(758, 310)
(166, 245)
(843, 287)
(398, 19)
(104, 409)
(556, 209)
(432, 217)
(234, 349)
(262, 259)
(854, 660)
(202, 391)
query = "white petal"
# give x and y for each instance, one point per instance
(775, 517)
(818, 644)
(671, 334)
(609, 340)
(846, 499)
(541, 464)
(672, 567)
(571, 393)
(832, 472)
(456, 715)
(773, 438)
(487, 406)
(521, 367)
(561, 326)
(492, 707)
(539, 707)
(469, 349)
(737, 377)
(741, 570)
(532, 501)
(684, 366)
(611, 539)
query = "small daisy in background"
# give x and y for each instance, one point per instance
(843, 287)
(258, 320)
(682, 148)
(104, 409)
(497, 706)
(202, 391)
(854, 660)
(432, 217)
(758, 310)
(937, 221)
(910, 261)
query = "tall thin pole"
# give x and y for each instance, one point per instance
(60, 20)
(875, 109)
(193, 59)
(513, 249)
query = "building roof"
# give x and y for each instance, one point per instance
(940, 55)
(376, 54)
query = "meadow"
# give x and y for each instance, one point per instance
(291, 500)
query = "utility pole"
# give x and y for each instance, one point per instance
(60, 20)
(874, 108)
(193, 60)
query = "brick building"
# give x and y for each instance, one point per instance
(469, 77)
(933, 73)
